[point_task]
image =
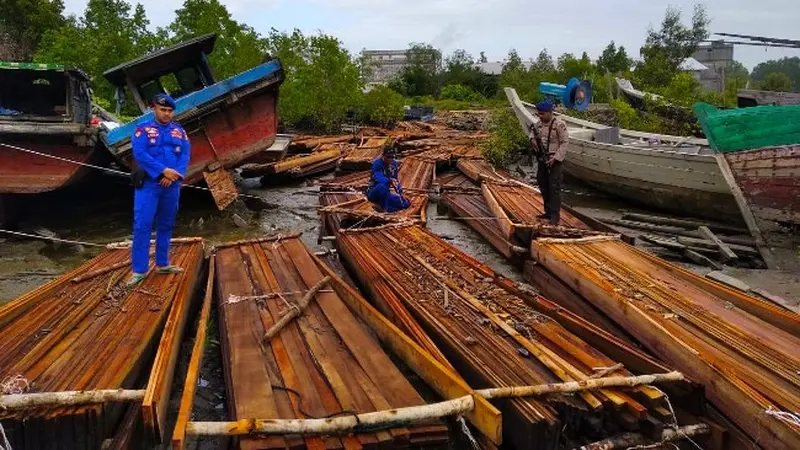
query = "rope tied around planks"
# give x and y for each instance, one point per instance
(401, 416)
(296, 310)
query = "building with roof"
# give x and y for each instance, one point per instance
(716, 57)
(385, 65)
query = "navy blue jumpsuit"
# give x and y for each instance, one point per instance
(380, 185)
(155, 148)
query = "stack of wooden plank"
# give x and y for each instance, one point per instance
(744, 350)
(324, 363)
(361, 212)
(496, 335)
(415, 175)
(456, 181)
(309, 143)
(479, 169)
(361, 157)
(86, 331)
(322, 159)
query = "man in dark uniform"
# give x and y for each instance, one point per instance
(555, 139)
(161, 151)
(384, 177)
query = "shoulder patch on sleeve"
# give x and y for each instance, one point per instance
(138, 132)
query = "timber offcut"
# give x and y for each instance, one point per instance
(86, 331)
(351, 209)
(744, 350)
(323, 363)
(496, 335)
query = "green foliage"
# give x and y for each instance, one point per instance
(667, 48)
(788, 66)
(323, 81)
(421, 74)
(630, 118)
(571, 67)
(109, 33)
(776, 81)
(460, 93)
(24, 22)
(506, 138)
(682, 90)
(614, 60)
(383, 106)
(461, 69)
(238, 46)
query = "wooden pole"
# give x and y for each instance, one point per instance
(627, 440)
(725, 252)
(297, 310)
(396, 417)
(68, 398)
(579, 386)
(350, 423)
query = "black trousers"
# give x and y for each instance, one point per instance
(550, 185)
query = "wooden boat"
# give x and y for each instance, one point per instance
(752, 97)
(47, 109)
(671, 173)
(227, 121)
(758, 149)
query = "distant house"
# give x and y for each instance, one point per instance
(715, 57)
(384, 65)
(496, 67)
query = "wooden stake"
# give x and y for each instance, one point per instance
(297, 310)
(724, 251)
(68, 398)
(627, 440)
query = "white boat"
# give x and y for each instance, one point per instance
(671, 173)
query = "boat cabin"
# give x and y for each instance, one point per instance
(43, 93)
(177, 71)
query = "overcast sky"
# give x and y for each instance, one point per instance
(495, 26)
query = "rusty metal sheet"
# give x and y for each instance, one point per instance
(223, 189)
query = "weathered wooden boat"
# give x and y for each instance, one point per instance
(758, 150)
(671, 173)
(227, 121)
(752, 97)
(45, 113)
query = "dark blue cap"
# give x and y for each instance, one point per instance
(164, 100)
(545, 106)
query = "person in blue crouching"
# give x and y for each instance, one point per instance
(161, 150)
(384, 178)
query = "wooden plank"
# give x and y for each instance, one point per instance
(485, 417)
(747, 214)
(505, 223)
(686, 223)
(195, 361)
(157, 393)
(725, 252)
(664, 337)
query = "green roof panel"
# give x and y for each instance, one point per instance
(732, 130)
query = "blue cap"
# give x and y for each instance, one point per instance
(545, 106)
(164, 100)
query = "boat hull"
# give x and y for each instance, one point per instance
(678, 183)
(28, 173)
(227, 123)
(769, 179)
(687, 182)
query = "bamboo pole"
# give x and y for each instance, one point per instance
(627, 440)
(400, 416)
(296, 311)
(68, 398)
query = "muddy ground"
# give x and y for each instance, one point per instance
(104, 215)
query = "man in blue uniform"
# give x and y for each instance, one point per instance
(161, 150)
(385, 177)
